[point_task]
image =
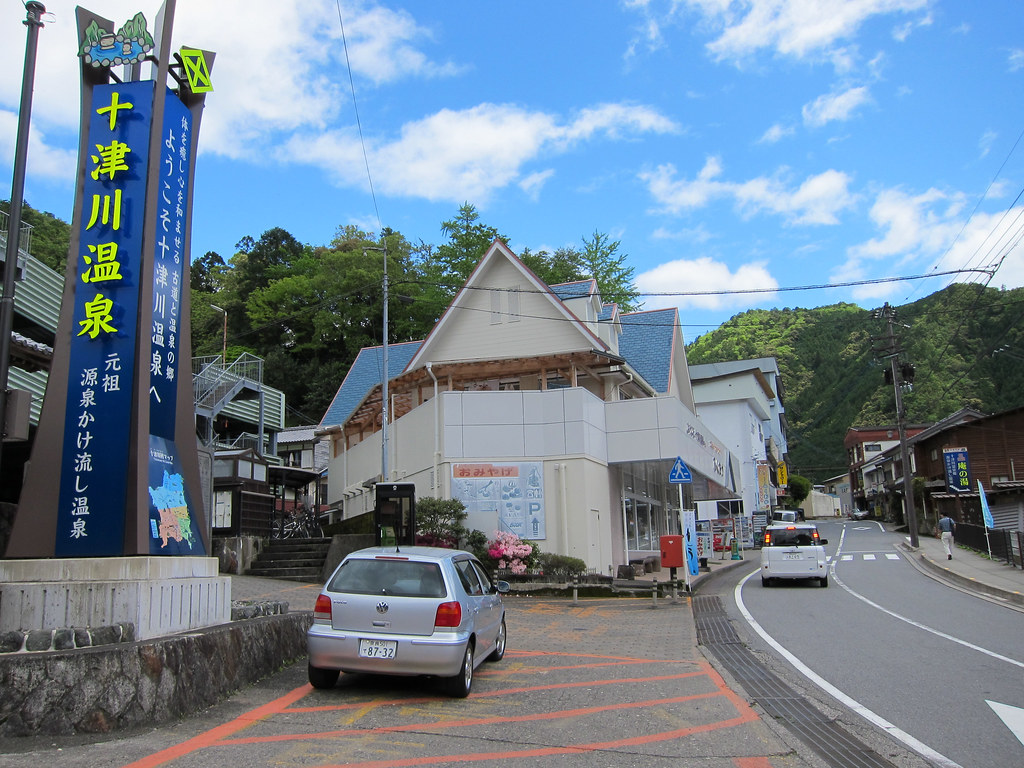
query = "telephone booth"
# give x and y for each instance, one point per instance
(394, 514)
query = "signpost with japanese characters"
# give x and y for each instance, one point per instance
(114, 469)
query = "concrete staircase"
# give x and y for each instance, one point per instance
(292, 559)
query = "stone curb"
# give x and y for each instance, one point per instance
(131, 684)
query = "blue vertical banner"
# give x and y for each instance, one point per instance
(985, 511)
(958, 470)
(91, 510)
(172, 518)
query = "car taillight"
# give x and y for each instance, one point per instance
(814, 534)
(767, 538)
(448, 614)
(322, 609)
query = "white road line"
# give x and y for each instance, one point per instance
(877, 720)
(869, 557)
(925, 627)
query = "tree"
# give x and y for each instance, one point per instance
(447, 267)
(51, 237)
(207, 272)
(439, 522)
(601, 259)
(799, 488)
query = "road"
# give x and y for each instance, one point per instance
(610, 683)
(903, 648)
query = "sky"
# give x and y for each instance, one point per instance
(727, 145)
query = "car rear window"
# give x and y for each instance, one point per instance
(402, 578)
(792, 537)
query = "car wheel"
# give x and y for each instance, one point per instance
(459, 685)
(823, 581)
(766, 582)
(324, 679)
(499, 644)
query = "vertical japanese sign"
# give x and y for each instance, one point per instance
(172, 522)
(764, 485)
(958, 470)
(90, 515)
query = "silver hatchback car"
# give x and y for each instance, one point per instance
(407, 611)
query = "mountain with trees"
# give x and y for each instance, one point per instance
(966, 344)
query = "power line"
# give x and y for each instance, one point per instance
(359, 125)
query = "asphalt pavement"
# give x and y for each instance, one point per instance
(734, 733)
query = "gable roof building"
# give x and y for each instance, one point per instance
(548, 412)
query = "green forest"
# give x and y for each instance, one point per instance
(307, 310)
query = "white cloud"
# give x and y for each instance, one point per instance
(776, 133)
(704, 274)
(45, 161)
(279, 71)
(616, 119)
(465, 154)
(533, 183)
(817, 200)
(986, 141)
(1016, 59)
(790, 27)
(835, 106)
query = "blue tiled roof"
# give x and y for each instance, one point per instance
(364, 375)
(607, 311)
(574, 290)
(646, 344)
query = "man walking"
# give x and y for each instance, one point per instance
(947, 528)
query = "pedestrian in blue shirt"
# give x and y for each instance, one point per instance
(947, 528)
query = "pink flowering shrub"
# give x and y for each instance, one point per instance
(511, 552)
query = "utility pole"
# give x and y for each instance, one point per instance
(384, 470)
(33, 20)
(902, 375)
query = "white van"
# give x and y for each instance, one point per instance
(793, 551)
(783, 516)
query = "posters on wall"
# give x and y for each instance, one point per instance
(508, 495)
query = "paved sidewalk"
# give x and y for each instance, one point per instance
(970, 570)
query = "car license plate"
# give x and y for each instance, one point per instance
(378, 649)
(794, 556)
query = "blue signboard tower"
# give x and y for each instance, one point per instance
(115, 468)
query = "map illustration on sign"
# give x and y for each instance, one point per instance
(174, 523)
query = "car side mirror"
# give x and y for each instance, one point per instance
(501, 587)
(823, 542)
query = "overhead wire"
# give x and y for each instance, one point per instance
(359, 124)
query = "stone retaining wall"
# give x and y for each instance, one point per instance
(128, 684)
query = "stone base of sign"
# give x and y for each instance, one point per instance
(158, 595)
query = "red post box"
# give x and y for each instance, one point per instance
(672, 552)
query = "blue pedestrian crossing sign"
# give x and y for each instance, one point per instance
(680, 472)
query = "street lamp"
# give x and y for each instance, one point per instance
(33, 21)
(224, 347)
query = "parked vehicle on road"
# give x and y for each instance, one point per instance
(407, 611)
(859, 514)
(793, 551)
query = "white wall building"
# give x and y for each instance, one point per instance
(546, 411)
(742, 402)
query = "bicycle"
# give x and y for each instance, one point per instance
(301, 523)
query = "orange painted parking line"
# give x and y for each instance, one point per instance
(751, 762)
(506, 691)
(496, 720)
(224, 735)
(547, 751)
(214, 735)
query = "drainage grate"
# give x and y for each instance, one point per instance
(824, 737)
